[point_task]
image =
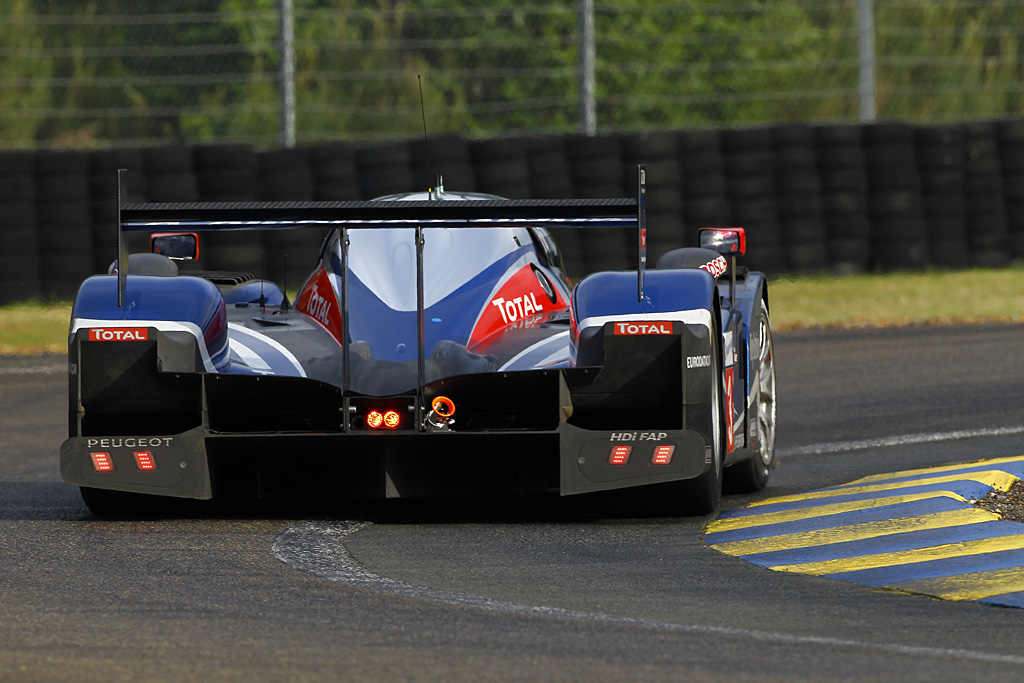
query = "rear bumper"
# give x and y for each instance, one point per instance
(199, 464)
(522, 432)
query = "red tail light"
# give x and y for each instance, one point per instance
(663, 455)
(389, 419)
(619, 455)
(102, 462)
(145, 460)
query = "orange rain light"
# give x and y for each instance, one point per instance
(663, 455)
(145, 460)
(102, 462)
(619, 455)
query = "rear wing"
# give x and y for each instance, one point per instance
(416, 215)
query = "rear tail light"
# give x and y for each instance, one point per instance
(389, 419)
(619, 455)
(145, 460)
(663, 455)
(102, 462)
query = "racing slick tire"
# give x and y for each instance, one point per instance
(752, 475)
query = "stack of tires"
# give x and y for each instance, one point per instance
(548, 166)
(750, 182)
(900, 237)
(384, 169)
(19, 255)
(290, 255)
(227, 173)
(103, 168)
(501, 166)
(705, 197)
(941, 161)
(447, 156)
(1010, 135)
(170, 174)
(63, 222)
(169, 177)
(666, 227)
(595, 167)
(333, 170)
(987, 230)
(844, 188)
(799, 197)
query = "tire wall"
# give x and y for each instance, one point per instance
(836, 198)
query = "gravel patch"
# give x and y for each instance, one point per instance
(1007, 504)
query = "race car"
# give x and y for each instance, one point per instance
(437, 349)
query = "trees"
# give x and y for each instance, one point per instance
(93, 73)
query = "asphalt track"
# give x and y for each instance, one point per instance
(505, 592)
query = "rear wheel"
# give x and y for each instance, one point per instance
(752, 475)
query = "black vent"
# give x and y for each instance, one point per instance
(219, 277)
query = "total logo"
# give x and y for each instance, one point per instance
(520, 307)
(118, 334)
(716, 267)
(661, 327)
(319, 307)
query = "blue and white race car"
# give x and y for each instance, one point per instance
(437, 349)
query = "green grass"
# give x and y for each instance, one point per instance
(34, 327)
(928, 298)
(822, 301)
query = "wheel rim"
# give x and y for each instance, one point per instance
(766, 396)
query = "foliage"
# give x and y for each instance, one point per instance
(90, 72)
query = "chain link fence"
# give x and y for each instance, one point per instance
(278, 72)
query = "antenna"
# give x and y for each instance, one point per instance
(423, 108)
(423, 113)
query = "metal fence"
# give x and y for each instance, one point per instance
(282, 72)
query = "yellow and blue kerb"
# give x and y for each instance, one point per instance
(913, 531)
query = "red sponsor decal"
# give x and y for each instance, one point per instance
(729, 439)
(118, 333)
(317, 300)
(716, 267)
(658, 327)
(518, 303)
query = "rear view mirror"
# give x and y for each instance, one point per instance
(178, 246)
(726, 241)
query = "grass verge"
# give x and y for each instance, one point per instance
(820, 301)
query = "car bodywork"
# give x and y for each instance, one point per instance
(437, 349)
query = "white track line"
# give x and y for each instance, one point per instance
(319, 548)
(907, 439)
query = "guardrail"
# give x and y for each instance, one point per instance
(840, 198)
